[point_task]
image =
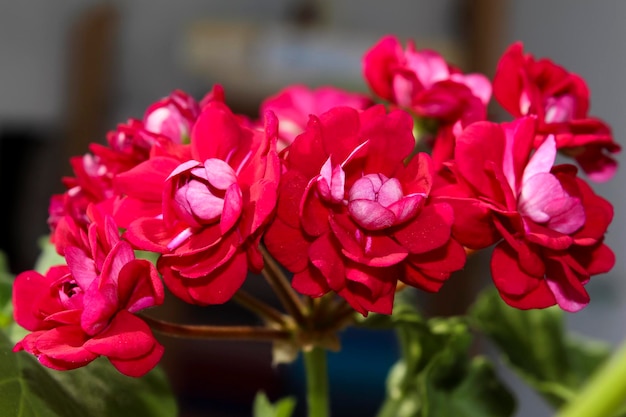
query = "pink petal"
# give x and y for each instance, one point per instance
(365, 188)
(100, 304)
(404, 87)
(219, 173)
(429, 66)
(542, 160)
(569, 293)
(537, 192)
(332, 182)
(407, 207)
(121, 254)
(478, 83)
(233, 204)
(390, 192)
(185, 166)
(371, 215)
(197, 200)
(520, 135)
(567, 215)
(83, 268)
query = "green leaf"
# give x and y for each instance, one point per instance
(262, 406)
(534, 345)
(436, 377)
(27, 389)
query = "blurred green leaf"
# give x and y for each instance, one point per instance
(27, 389)
(436, 377)
(535, 346)
(6, 285)
(264, 408)
(48, 256)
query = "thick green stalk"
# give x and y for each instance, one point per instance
(316, 382)
(605, 392)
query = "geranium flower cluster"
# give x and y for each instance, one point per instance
(334, 187)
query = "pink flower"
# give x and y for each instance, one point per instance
(172, 116)
(560, 100)
(84, 310)
(425, 83)
(213, 206)
(548, 224)
(353, 218)
(293, 105)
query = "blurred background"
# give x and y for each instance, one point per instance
(70, 70)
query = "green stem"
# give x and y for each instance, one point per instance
(282, 288)
(605, 392)
(265, 311)
(316, 382)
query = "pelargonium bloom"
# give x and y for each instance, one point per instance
(353, 218)
(560, 100)
(166, 122)
(81, 311)
(173, 116)
(548, 224)
(425, 83)
(213, 205)
(293, 105)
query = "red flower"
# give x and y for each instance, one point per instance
(165, 123)
(85, 310)
(425, 83)
(548, 224)
(212, 206)
(352, 218)
(560, 100)
(293, 105)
